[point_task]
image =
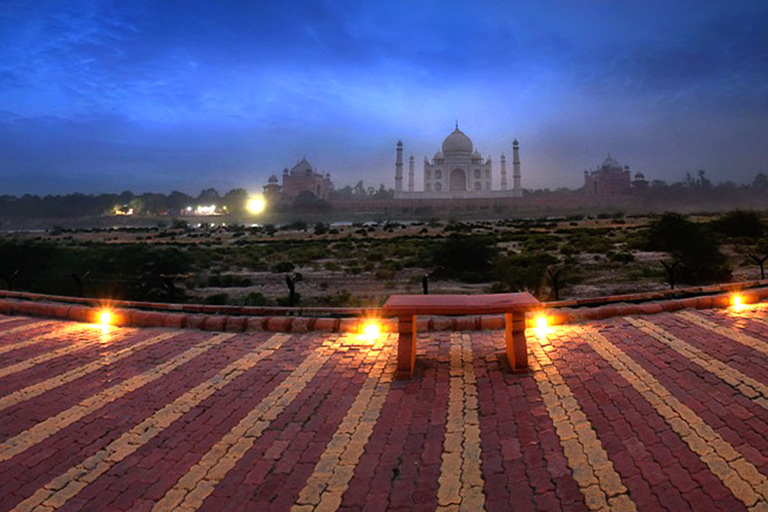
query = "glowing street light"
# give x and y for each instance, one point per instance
(738, 302)
(256, 205)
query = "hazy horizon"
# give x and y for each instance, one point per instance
(100, 97)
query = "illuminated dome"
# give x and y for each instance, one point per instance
(457, 142)
(303, 167)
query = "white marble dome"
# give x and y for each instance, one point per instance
(457, 142)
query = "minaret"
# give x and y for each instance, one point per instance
(517, 191)
(399, 168)
(410, 174)
(503, 172)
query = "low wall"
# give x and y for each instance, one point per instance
(353, 320)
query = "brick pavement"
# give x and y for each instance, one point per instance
(654, 412)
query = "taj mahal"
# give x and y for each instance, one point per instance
(458, 171)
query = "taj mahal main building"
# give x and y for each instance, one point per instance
(458, 171)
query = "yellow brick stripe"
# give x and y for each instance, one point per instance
(460, 485)
(330, 479)
(742, 478)
(29, 327)
(67, 485)
(747, 386)
(92, 336)
(750, 312)
(199, 482)
(733, 334)
(80, 371)
(593, 471)
(62, 332)
(43, 430)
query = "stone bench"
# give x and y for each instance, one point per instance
(513, 305)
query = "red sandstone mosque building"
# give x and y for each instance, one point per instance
(611, 179)
(301, 178)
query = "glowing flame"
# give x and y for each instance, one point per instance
(737, 301)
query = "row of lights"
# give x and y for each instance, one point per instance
(372, 328)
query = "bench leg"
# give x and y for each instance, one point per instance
(406, 346)
(514, 339)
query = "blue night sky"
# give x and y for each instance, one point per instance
(103, 96)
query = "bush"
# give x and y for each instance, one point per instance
(321, 228)
(229, 281)
(521, 272)
(740, 223)
(283, 267)
(256, 299)
(693, 245)
(217, 299)
(623, 257)
(468, 258)
(384, 274)
(332, 266)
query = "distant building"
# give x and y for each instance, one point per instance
(611, 179)
(301, 178)
(457, 171)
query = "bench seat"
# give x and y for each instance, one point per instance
(513, 305)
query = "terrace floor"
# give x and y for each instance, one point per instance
(661, 412)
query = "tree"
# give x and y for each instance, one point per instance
(469, 258)
(693, 245)
(359, 191)
(740, 223)
(524, 272)
(306, 201)
(208, 196)
(760, 183)
(236, 200)
(178, 201)
(703, 183)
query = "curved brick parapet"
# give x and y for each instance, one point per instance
(296, 320)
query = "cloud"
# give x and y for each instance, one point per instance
(187, 92)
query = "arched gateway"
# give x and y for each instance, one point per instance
(458, 181)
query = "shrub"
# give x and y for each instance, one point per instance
(331, 265)
(218, 299)
(283, 267)
(520, 272)
(740, 223)
(256, 299)
(229, 281)
(693, 245)
(384, 274)
(468, 258)
(622, 257)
